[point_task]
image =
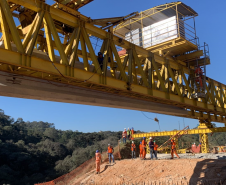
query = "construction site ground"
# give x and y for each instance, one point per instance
(193, 156)
(189, 169)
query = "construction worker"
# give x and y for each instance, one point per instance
(155, 150)
(141, 151)
(132, 132)
(128, 133)
(100, 59)
(198, 75)
(133, 149)
(144, 143)
(98, 161)
(173, 149)
(124, 135)
(151, 147)
(110, 153)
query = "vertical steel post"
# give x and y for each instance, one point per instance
(204, 80)
(204, 137)
(178, 25)
(142, 35)
(195, 33)
(204, 143)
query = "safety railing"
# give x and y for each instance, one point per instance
(170, 29)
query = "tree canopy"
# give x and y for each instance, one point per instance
(33, 152)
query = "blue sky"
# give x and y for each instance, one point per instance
(210, 27)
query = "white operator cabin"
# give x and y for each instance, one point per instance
(168, 28)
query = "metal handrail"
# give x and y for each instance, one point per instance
(187, 34)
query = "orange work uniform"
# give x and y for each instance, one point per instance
(98, 160)
(155, 146)
(144, 143)
(132, 131)
(110, 149)
(133, 147)
(124, 134)
(173, 150)
(110, 154)
(198, 73)
(141, 150)
(155, 150)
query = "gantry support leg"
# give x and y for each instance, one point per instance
(204, 143)
(205, 124)
(204, 136)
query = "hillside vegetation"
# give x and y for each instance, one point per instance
(32, 152)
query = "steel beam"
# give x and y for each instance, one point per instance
(174, 132)
(8, 15)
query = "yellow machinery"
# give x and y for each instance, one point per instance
(201, 130)
(160, 70)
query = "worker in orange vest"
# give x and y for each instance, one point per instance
(141, 151)
(144, 143)
(110, 153)
(98, 161)
(173, 149)
(198, 75)
(132, 132)
(155, 150)
(133, 149)
(124, 135)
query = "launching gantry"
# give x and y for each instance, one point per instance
(150, 57)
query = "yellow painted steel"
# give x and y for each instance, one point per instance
(140, 74)
(171, 133)
(181, 151)
(205, 144)
(203, 130)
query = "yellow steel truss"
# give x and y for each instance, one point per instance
(140, 74)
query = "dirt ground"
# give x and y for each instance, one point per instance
(176, 171)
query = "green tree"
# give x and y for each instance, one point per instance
(51, 133)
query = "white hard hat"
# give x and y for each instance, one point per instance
(194, 143)
(150, 138)
(108, 144)
(124, 128)
(132, 141)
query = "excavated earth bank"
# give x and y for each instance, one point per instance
(176, 171)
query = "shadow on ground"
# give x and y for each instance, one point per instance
(209, 171)
(105, 168)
